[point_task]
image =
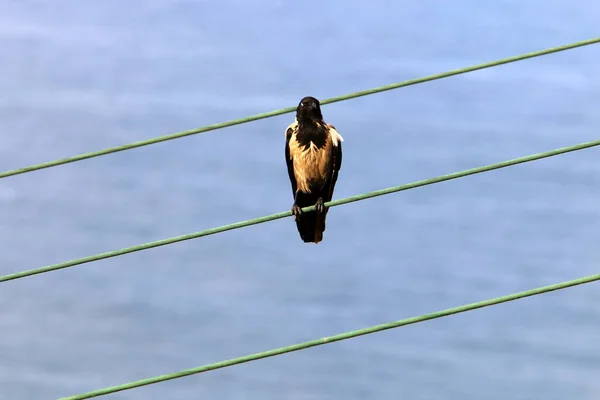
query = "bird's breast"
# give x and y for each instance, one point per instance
(311, 165)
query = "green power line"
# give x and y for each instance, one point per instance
(270, 114)
(336, 338)
(284, 214)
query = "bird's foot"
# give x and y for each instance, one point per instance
(319, 206)
(296, 211)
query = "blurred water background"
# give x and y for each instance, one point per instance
(78, 76)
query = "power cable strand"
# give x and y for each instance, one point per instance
(270, 114)
(283, 214)
(336, 338)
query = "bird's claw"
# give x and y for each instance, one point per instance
(319, 206)
(296, 211)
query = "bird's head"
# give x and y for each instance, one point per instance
(308, 109)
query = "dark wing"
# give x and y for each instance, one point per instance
(336, 165)
(289, 161)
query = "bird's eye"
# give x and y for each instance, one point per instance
(301, 104)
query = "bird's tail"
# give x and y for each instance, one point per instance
(311, 226)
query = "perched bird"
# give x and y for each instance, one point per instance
(313, 154)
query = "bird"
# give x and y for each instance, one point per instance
(313, 154)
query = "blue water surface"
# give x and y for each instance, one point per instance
(79, 76)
